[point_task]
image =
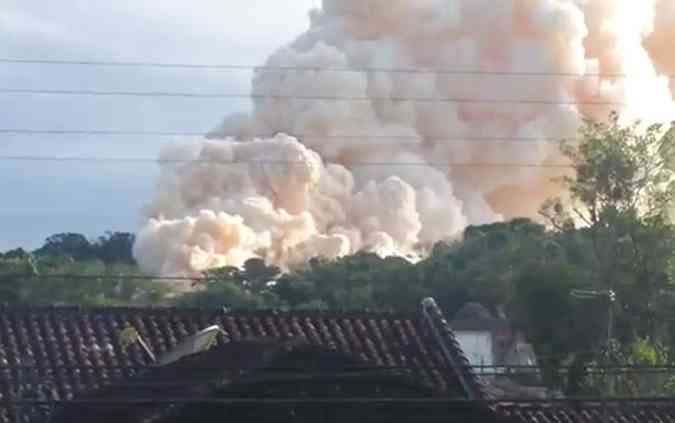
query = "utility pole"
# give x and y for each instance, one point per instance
(589, 294)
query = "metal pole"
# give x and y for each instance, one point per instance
(609, 385)
(610, 328)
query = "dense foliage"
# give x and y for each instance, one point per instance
(70, 269)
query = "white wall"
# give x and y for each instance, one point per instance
(477, 347)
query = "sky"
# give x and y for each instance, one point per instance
(42, 198)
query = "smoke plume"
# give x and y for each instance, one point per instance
(399, 163)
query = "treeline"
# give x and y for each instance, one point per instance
(110, 248)
(69, 269)
(517, 269)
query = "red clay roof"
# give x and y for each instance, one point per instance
(255, 369)
(57, 352)
(624, 411)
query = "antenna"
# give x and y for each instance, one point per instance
(200, 341)
(130, 335)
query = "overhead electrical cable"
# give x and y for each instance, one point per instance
(124, 133)
(355, 69)
(255, 96)
(102, 159)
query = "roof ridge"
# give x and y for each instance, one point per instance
(454, 353)
(568, 403)
(9, 308)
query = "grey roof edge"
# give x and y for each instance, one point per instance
(452, 350)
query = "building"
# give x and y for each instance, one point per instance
(490, 341)
(61, 353)
(500, 354)
(276, 381)
(306, 366)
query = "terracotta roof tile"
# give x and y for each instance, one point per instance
(75, 350)
(642, 411)
(62, 352)
(319, 372)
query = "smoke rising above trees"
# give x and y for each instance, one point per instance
(308, 191)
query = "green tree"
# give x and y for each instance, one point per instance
(16, 268)
(251, 287)
(360, 281)
(620, 194)
(484, 266)
(70, 245)
(115, 247)
(626, 381)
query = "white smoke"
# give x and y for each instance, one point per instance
(383, 170)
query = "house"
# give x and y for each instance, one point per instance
(483, 338)
(306, 366)
(490, 341)
(296, 380)
(500, 354)
(60, 353)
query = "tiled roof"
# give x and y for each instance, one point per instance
(255, 369)
(624, 411)
(51, 353)
(57, 352)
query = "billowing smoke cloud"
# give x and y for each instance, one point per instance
(391, 170)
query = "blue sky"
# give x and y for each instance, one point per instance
(39, 198)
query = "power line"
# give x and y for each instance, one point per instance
(215, 95)
(101, 159)
(429, 71)
(75, 276)
(25, 131)
(591, 400)
(610, 369)
(123, 133)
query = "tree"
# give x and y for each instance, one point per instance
(620, 195)
(69, 245)
(112, 247)
(257, 276)
(558, 327)
(16, 268)
(115, 247)
(251, 287)
(484, 266)
(627, 382)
